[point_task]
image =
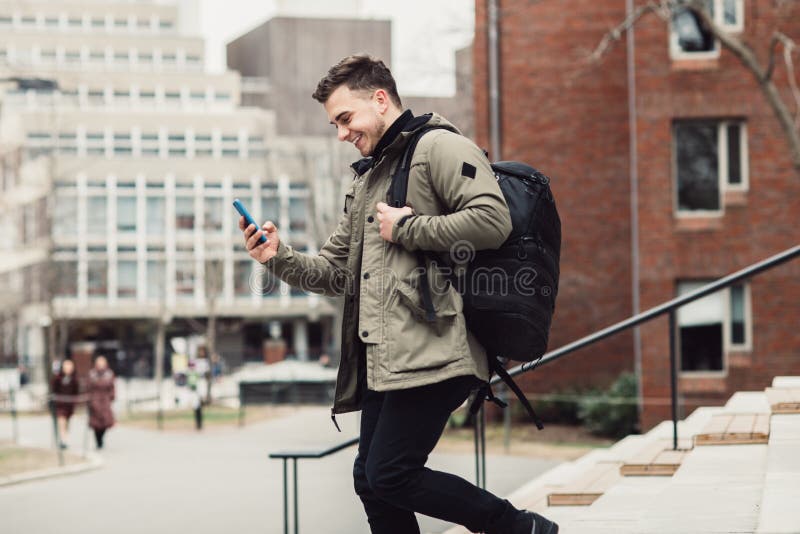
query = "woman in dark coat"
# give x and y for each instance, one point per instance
(64, 388)
(101, 395)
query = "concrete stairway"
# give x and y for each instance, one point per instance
(717, 488)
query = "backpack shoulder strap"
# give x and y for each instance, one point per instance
(396, 197)
(398, 190)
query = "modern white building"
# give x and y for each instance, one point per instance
(131, 166)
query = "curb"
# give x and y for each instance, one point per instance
(93, 462)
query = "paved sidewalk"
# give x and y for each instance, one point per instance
(216, 481)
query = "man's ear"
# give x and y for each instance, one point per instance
(381, 100)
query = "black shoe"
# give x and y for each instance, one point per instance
(540, 524)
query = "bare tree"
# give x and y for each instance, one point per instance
(761, 69)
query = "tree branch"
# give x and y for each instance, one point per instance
(750, 61)
(789, 46)
(615, 34)
(773, 45)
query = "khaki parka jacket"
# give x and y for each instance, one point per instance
(458, 208)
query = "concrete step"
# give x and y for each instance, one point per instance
(734, 428)
(587, 487)
(748, 402)
(786, 382)
(784, 400)
(658, 459)
(617, 511)
(717, 489)
(778, 513)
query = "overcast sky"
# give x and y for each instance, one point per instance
(425, 33)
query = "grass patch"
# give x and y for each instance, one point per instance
(214, 417)
(565, 442)
(15, 459)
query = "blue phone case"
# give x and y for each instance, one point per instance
(247, 217)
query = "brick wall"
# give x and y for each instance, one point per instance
(754, 225)
(569, 118)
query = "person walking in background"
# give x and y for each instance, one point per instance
(405, 369)
(101, 395)
(64, 389)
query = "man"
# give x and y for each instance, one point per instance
(406, 373)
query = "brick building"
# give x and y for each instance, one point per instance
(683, 133)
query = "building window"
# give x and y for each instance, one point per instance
(270, 209)
(740, 313)
(689, 36)
(150, 145)
(67, 278)
(126, 214)
(710, 156)
(156, 217)
(184, 213)
(242, 269)
(72, 56)
(298, 214)
(97, 281)
(184, 278)
(214, 270)
(712, 325)
(213, 214)
(96, 216)
(156, 277)
(66, 215)
(126, 279)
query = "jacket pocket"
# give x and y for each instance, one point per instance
(415, 343)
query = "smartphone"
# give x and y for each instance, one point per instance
(247, 217)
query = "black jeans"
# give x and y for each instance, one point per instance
(398, 431)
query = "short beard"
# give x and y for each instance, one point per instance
(381, 123)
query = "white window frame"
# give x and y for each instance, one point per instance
(675, 50)
(722, 166)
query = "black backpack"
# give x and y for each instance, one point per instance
(509, 294)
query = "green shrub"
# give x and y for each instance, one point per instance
(614, 413)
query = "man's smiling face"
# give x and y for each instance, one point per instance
(358, 116)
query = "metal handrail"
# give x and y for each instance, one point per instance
(668, 307)
(671, 305)
(298, 455)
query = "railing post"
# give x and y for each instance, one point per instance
(241, 406)
(296, 515)
(285, 498)
(476, 441)
(14, 423)
(480, 448)
(483, 446)
(673, 373)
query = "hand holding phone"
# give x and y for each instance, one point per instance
(247, 217)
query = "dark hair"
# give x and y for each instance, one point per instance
(357, 72)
